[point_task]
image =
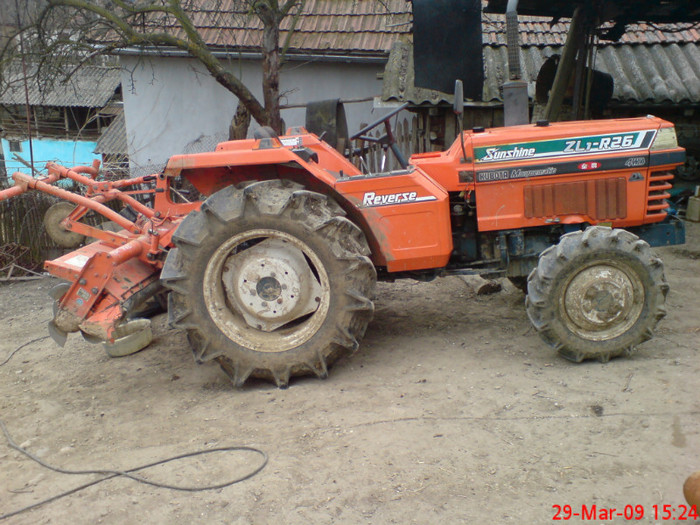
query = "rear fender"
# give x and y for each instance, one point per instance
(408, 215)
(403, 214)
(307, 176)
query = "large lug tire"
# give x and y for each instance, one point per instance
(597, 294)
(270, 281)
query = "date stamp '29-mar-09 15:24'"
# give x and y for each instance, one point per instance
(663, 513)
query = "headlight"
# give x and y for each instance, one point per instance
(665, 139)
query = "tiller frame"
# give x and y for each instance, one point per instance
(109, 278)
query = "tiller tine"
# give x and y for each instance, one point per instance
(57, 334)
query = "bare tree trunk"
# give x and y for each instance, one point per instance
(122, 24)
(238, 130)
(271, 63)
(271, 77)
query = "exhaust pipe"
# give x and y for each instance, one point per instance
(513, 40)
(516, 106)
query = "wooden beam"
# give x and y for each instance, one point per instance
(565, 68)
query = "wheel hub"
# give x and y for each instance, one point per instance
(600, 301)
(268, 288)
(270, 284)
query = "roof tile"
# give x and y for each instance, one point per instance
(367, 26)
(372, 26)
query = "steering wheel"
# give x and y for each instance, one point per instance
(388, 138)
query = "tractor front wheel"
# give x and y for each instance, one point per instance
(270, 281)
(597, 294)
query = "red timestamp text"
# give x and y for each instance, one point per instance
(595, 512)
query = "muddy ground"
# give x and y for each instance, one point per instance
(452, 411)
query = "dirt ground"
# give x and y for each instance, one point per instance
(452, 411)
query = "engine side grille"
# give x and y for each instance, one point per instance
(659, 184)
(600, 199)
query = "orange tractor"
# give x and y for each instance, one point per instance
(272, 271)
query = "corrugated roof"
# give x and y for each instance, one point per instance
(113, 138)
(649, 74)
(90, 86)
(538, 31)
(647, 10)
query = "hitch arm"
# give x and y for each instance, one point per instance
(28, 182)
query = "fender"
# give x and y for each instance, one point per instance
(404, 214)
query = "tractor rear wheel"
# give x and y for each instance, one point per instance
(270, 281)
(597, 294)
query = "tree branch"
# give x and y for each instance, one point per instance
(293, 24)
(127, 36)
(123, 24)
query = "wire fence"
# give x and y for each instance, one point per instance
(24, 242)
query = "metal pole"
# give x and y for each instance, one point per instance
(26, 88)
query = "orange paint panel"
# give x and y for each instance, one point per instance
(518, 204)
(408, 218)
(599, 199)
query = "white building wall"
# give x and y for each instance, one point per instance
(173, 105)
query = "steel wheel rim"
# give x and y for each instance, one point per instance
(234, 319)
(602, 300)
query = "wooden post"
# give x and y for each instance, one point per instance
(565, 68)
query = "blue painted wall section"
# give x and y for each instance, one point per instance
(65, 152)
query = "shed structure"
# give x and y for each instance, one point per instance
(66, 118)
(334, 49)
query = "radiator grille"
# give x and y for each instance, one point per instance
(600, 199)
(659, 184)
